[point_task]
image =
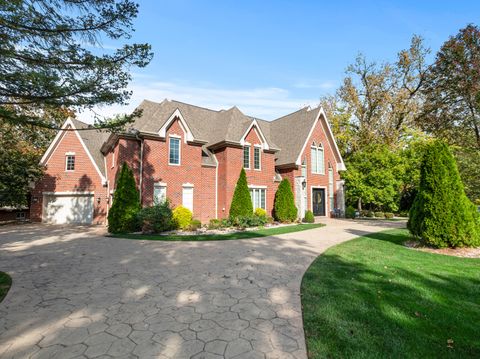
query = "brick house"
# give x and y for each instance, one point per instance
(193, 156)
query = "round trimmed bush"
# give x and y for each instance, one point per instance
(370, 214)
(379, 214)
(441, 214)
(182, 217)
(260, 212)
(194, 225)
(388, 215)
(309, 217)
(156, 219)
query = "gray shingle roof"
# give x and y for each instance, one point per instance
(291, 131)
(286, 134)
(207, 125)
(93, 139)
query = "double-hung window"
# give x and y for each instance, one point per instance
(257, 158)
(174, 151)
(258, 196)
(246, 157)
(318, 159)
(70, 162)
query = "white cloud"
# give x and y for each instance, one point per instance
(265, 103)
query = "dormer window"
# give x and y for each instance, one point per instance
(174, 151)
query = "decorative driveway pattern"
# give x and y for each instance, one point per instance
(76, 294)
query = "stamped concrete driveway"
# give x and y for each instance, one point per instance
(78, 294)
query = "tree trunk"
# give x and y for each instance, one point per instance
(360, 204)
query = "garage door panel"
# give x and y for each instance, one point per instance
(64, 209)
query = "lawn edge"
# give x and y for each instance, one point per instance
(213, 237)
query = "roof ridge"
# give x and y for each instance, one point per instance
(302, 109)
(189, 104)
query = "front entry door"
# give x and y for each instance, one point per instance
(318, 201)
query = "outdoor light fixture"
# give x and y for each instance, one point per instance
(98, 200)
(304, 184)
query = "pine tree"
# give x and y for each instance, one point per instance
(441, 214)
(241, 201)
(284, 207)
(122, 217)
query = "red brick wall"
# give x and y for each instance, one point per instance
(318, 136)
(157, 169)
(230, 164)
(84, 178)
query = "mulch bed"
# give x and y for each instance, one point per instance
(456, 252)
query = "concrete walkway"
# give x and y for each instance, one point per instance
(78, 294)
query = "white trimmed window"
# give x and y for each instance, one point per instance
(330, 187)
(258, 196)
(159, 193)
(257, 158)
(187, 196)
(70, 162)
(174, 151)
(318, 159)
(246, 157)
(304, 168)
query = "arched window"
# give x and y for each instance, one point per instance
(318, 159)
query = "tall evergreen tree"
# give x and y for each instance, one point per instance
(284, 206)
(441, 214)
(241, 201)
(122, 217)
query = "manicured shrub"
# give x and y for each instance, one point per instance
(260, 212)
(364, 213)
(370, 214)
(194, 225)
(441, 214)
(156, 219)
(284, 206)
(388, 215)
(379, 214)
(182, 217)
(122, 217)
(241, 201)
(350, 212)
(214, 224)
(225, 223)
(309, 217)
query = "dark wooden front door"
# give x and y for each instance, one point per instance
(318, 201)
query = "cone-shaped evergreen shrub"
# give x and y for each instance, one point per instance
(284, 207)
(241, 201)
(122, 217)
(441, 214)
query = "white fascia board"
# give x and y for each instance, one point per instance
(183, 124)
(265, 145)
(56, 141)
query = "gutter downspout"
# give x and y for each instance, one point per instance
(141, 167)
(216, 185)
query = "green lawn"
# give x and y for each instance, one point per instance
(264, 232)
(5, 283)
(373, 298)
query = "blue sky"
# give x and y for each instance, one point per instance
(272, 57)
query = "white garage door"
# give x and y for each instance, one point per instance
(62, 209)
